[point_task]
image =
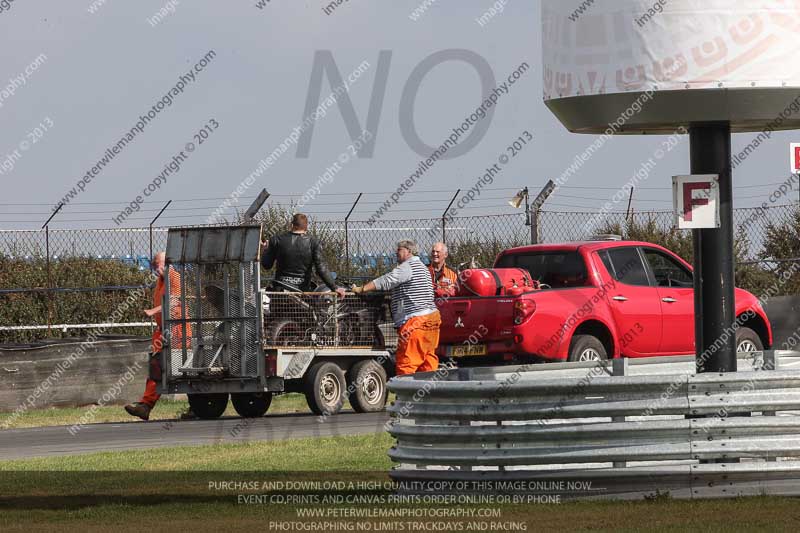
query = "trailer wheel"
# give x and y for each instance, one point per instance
(208, 406)
(324, 387)
(251, 405)
(366, 383)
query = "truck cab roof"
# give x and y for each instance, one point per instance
(575, 245)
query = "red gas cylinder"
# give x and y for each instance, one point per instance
(495, 282)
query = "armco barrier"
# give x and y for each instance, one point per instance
(636, 427)
(83, 381)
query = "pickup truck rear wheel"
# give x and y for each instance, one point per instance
(587, 348)
(366, 383)
(324, 386)
(748, 340)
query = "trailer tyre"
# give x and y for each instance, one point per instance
(324, 387)
(208, 406)
(251, 405)
(587, 348)
(366, 383)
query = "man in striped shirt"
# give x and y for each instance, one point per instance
(415, 315)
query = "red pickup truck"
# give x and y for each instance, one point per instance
(582, 301)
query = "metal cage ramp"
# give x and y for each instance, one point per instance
(214, 319)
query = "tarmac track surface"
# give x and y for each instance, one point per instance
(91, 438)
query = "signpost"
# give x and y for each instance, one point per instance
(696, 201)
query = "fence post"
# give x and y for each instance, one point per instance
(151, 227)
(444, 216)
(46, 228)
(255, 207)
(532, 209)
(628, 212)
(347, 235)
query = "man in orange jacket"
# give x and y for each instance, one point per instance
(444, 279)
(143, 407)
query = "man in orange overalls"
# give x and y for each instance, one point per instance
(414, 313)
(143, 407)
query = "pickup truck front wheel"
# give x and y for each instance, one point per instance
(587, 348)
(747, 340)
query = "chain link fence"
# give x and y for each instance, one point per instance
(66, 277)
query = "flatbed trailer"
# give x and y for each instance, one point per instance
(228, 338)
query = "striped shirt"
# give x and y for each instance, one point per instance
(412, 290)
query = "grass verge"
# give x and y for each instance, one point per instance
(164, 410)
(183, 488)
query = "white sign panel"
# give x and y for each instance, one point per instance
(696, 201)
(619, 46)
(794, 158)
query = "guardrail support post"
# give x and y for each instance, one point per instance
(770, 363)
(619, 367)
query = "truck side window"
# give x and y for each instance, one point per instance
(628, 266)
(607, 262)
(668, 272)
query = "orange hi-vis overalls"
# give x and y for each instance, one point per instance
(150, 396)
(444, 281)
(416, 344)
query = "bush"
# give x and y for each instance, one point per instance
(85, 307)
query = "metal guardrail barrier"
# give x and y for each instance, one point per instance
(632, 425)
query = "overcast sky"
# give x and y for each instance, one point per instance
(105, 69)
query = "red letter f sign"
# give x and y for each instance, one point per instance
(696, 201)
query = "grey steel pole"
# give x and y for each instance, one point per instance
(347, 235)
(46, 228)
(710, 149)
(532, 209)
(151, 227)
(444, 216)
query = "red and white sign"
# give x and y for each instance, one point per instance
(696, 201)
(794, 158)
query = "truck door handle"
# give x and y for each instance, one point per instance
(669, 300)
(620, 298)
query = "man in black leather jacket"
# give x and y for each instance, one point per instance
(296, 254)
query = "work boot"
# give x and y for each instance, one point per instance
(142, 410)
(188, 415)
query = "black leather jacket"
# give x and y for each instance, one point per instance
(296, 255)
